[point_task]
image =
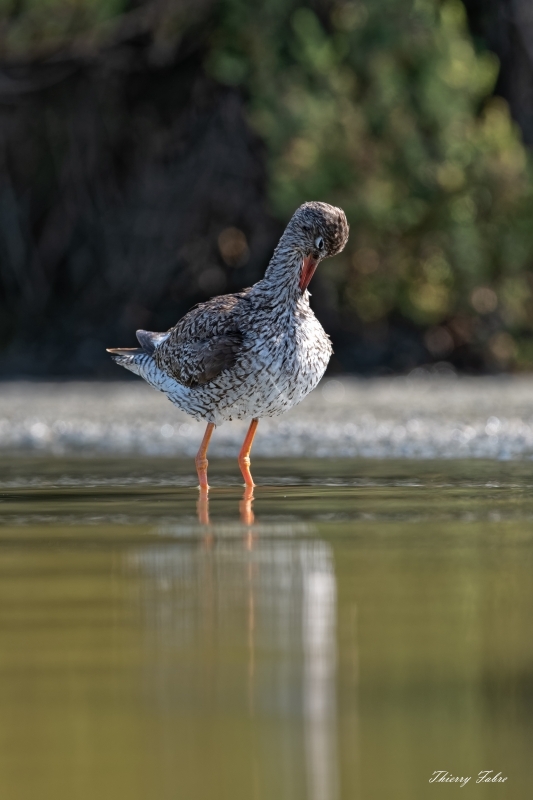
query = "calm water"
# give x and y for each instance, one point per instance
(356, 627)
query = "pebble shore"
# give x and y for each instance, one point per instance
(405, 417)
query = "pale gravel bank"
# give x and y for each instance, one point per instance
(432, 417)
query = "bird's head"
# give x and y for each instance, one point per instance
(318, 231)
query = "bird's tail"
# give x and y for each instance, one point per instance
(140, 359)
(132, 358)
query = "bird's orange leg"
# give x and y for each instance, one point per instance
(244, 455)
(201, 458)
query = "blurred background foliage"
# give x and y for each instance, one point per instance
(385, 108)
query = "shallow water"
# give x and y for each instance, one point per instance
(354, 628)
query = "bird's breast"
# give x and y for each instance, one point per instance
(296, 347)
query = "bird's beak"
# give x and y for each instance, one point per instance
(308, 270)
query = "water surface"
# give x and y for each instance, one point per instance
(353, 628)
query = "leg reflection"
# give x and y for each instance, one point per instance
(245, 506)
(202, 506)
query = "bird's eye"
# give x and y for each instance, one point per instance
(319, 242)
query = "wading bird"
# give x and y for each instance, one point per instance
(252, 354)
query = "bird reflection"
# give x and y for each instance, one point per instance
(245, 507)
(256, 617)
(319, 613)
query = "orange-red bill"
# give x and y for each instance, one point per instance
(308, 270)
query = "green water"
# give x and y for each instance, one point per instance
(371, 625)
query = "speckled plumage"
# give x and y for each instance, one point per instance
(255, 353)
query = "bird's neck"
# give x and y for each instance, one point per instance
(282, 277)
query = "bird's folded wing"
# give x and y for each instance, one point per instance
(204, 343)
(201, 361)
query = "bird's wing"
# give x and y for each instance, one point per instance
(205, 342)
